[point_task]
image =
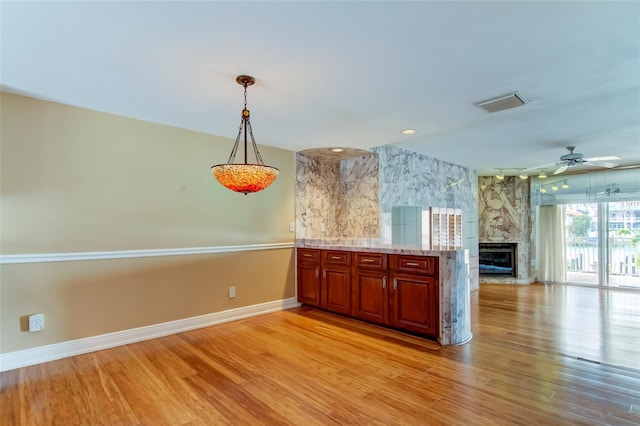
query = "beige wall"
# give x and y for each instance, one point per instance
(74, 180)
(88, 298)
(80, 180)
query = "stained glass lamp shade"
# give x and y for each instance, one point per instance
(245, 177)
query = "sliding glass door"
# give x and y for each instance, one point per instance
(603, 243)
(582, 242)
(623, 244)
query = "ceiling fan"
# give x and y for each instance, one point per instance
(573, 159)
(610, 190)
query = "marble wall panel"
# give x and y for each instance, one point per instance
(504, 216)
(317, 188)
(353, 198)
(411, 179)
(337, 198)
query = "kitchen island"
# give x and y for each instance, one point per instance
(413, 289)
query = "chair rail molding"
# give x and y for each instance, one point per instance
(123, 254)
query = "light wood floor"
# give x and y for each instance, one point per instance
(532, 361)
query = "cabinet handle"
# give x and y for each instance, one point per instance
(336, 257)
(324, 274)
(412, 264)
(306, 255)
(384, 282)
(368, 260)
(395, 283)
(317, 273)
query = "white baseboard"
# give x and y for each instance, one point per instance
(40, 354)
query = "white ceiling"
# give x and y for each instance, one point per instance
(350, 74)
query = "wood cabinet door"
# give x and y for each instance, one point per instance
(336, 289)
(309, 284)
(414, 303)
(370, 297)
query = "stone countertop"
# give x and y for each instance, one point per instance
(370, 245)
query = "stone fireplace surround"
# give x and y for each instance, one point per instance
(504, 216)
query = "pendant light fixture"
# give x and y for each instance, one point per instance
(245, 177)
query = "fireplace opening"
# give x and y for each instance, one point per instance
(498, 259)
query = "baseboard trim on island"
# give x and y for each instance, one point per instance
(40, 354)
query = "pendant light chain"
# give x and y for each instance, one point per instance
(234, 150)
(247, 122)
(255, 147)
(245, 95)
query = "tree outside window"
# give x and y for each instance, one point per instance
(580, 226)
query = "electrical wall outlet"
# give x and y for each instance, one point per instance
(292, 227)
(36, 322)
(232, 292)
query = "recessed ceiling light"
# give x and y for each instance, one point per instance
(524, 177)
(337, 150)
(408, 131)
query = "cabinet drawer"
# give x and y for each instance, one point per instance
(370, 260)
(333, 257)
(309, 255)
(424, 265)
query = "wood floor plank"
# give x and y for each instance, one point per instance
(533, 360)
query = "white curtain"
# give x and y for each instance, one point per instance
(550, 244)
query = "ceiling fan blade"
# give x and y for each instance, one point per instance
(606, 164)
(560, 169)
(537, 168)
(634, 166)
(605, 158)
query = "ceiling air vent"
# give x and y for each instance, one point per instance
(502, 102)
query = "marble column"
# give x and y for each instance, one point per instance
(455, 297)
